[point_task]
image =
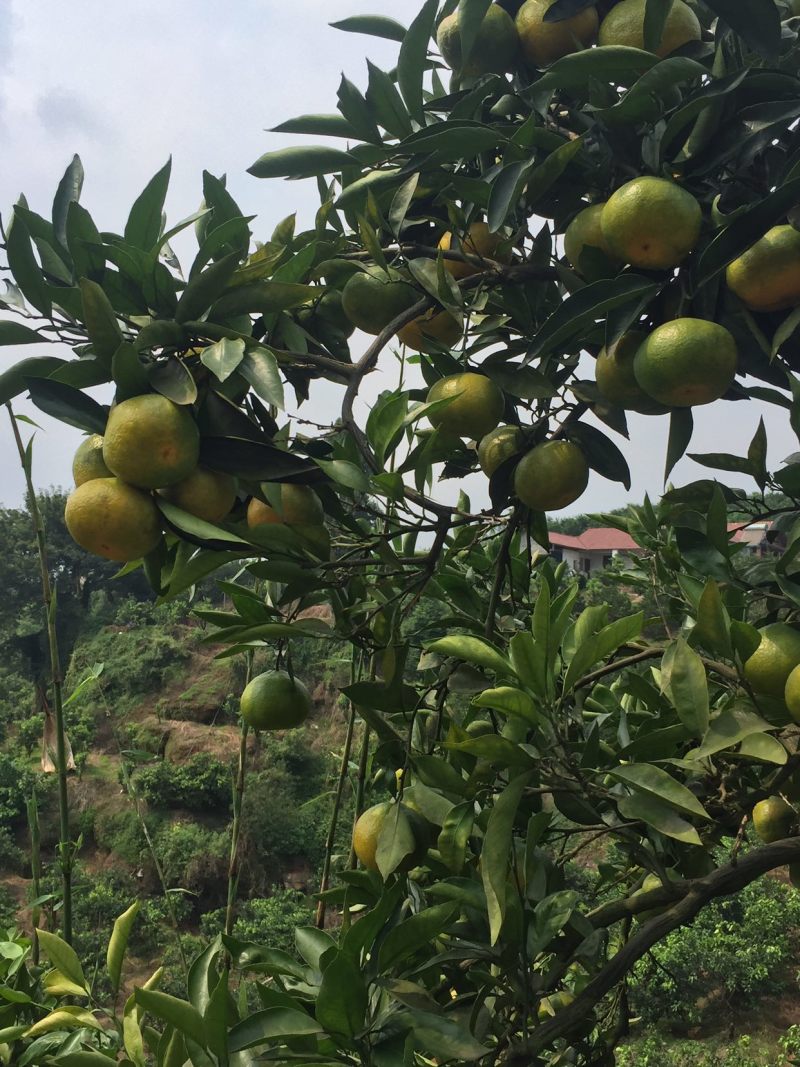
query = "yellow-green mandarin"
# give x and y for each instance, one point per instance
(651, 223)
(551, 476)
(624, 25)
(299, 505)
(542, 43)
(366, 833)
(768, 669)
(616, 380)
(686, 362)
(497, 446)
(275, 701)
(150, 442)
(585, 231)
(773, 819)
(476, 409)
(114, 520)
(494, 49)
(479, 241)
(209, 495)
(88, 462)
(372, 298)
(767, 276)
(430, 332)
(791, 694)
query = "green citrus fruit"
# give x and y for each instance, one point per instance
(616, 380)
(114, 520)
(431, 332)
(275, 701)
(624, 25)
(209, 495)
(651, 223)
(495, 47)
(773, 819)
(475, 410)
(372, 298)
(479, 728)
(686, 362)
(584, 232)
(151, 442)
(551, 476)
(791, 694)
(767, 276)
(651, 882)
(88, 462)
(298, 506)
(769, 667)
(479, 241)
(497, 446)
(543, 42)
(367, 831)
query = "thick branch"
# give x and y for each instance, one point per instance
(694, 895)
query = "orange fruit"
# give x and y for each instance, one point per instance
(768, 669)
(475, 410)
(275, 701)
(624, 25)
(767, 276)
(479, 241)
(114, 520)
(372, 298)
(88, 462)
(431, 332)
(651, 223)
(497, 446)
(616, 380)
(686, 362)
(551, 476)
(150, 442)
(791, 694)
(543, 42)
(494, 49)
(773, 819)
(299, 506)
(209, 495)
(584, 232)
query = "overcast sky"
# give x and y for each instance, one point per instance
(125, 85)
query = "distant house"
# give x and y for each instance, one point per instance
(597, 547)
(594, 549)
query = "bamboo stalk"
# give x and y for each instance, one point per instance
(236, 826)
(334, 820)
(65, 843)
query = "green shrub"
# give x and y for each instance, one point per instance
(203, 783)
(16, 786)
(121, 832)
(8, 908)
(30, 731)
(738, 947)
(195, 859)
(657, 1051)
(268, 921)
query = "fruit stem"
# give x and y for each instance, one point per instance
(64, 844)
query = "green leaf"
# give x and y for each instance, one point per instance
(496, 851)
(205, 288)
(84, 1058)
(341, 1005)
(413, 58)
(302, 162)
(601, 453)
(317, 125)
(260, 368)
(62, 956)
(373, 26)
(271, 1025)
(727, 729)
(344, 473)
(69, 190)
(386, 424)
(471, 14)
(505, 192)
(312, 944)
(582, 309)
(68, 405)
(655, 17)
(356, 111)
(387, 103)
(547, 173)
(415, 933)
(681, 427)
(15, 380)
(143, 228)
(610, 63)
(100, 319)
(510, 701)
(23, 266)
(763, 747)
(85, 243)
(652, 781)
(660, 816)
(712, 627)
(455, 834)
(683, 680)
(757, 22)
(644, 101)
(444, 1038)
(14, 333)
(471, 650)
(178, 1013)
(223, 357)
(757, 455)
(118, 943)
(198, 530)
(173, 379)
(550, 916)
(395, 841)
(453, 139)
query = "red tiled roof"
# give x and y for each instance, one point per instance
(596, 539)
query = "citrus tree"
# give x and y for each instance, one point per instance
(545, 212)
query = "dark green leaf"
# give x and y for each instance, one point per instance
(396, 841)
(300, 162)
(68, 405)
(727, 729)
(205, 288)
(757, 22)
(601, 453)
(101, 322)
(373, 26)
(681, 427)
(69, 190)
(15, 380)
(496, 850)
(565, 9)
(444, 1038)
(655, 16)
(547, 173)
(757, 455)
(683, 679)
(260, 368)
(471, 650)
(415, 933)
(455, 834)
(505, 192)
(14, 333)
(471, 14)
(198, 531)
(173, 379)
(712, 627)
(143, 227)
(413, 58)
(317, 126)
(85, 243)
(341, 1005)
(24, 267)
(662, 817)
(386, 103)
(356, 111)
(652, 781)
